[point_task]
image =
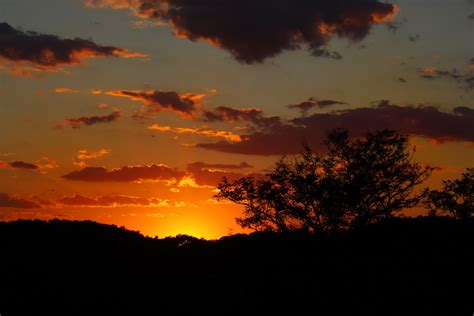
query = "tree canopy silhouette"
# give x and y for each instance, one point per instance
(355, 183)
(455, 198)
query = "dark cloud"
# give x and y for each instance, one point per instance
(23, 165)
(48, 52)
(252, 115)
(413, 37)
(288, 137)
(195, 175)
(228, 114)
(253, 31)
(433, 73)
(8, 200)
(125, 174)
(77, 122)
(202, 165)
(156, 101)
(279, 141)
(210, 177)
(305, 106)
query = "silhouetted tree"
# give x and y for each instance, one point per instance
(355, 183)
(456, 197)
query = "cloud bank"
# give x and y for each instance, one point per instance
(27, 52)
(196, 175)
(125, 174)
(13, 201)
(287, 137)
(253, 31)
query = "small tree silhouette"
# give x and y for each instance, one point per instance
(456, 198)
(355, 183)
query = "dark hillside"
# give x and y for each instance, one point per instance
(421, 266)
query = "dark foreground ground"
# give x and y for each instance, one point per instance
(416, 266)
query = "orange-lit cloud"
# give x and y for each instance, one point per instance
(270, 27)
(111, 201)
(77, 200)
(203, 165)
(28, 53)
(84, 155)
(126, 174)
(207, 177)
(229, 136)
(196, 175)
(384, 16)
(46, 163)
(288, 136)
(185, 104)
(15, 201)
(65, 90)
(102, 106)
(78, 122)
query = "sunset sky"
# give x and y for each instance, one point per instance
(129, 112)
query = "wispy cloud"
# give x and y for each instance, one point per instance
(156, 101)
(83, 155)
(229, 136)
(466, 79)
(311, 103)
(78, 122)
(65, 90)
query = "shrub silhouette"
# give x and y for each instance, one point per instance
(355, 183)
(456, 198)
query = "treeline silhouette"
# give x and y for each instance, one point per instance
(355, 183)
(399, 266)
(330, 239)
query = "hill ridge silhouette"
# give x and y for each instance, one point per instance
(401, 266)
